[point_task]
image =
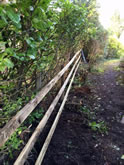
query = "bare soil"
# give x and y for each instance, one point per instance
(74, 142)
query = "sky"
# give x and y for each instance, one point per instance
(107, 9)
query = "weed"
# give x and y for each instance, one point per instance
(103, 65)
(85, 110)
(37, 114)
(98, 69)
(91, 115)
(13, 143)
(95, 126)
(10, 108)
(100, 127)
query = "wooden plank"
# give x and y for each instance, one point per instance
(18, 119)
(24, 154)
(49, 137)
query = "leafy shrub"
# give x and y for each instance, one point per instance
(37, 38)
(100, 126)
(9, 109)
(13, 143)
(114, 48)
(34, 116)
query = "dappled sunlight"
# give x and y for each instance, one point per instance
(56, 57)
(105, 64)
(112, 62)
(107, 8)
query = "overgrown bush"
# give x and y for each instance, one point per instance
(37, 39)
(114, 48)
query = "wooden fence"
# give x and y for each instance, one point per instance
(20, 117)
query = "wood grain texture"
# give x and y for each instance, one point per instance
(24, 154)
(18, 119)
(51, 132)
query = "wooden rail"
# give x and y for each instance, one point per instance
(24, 154)
(51, 132)
(19, 118)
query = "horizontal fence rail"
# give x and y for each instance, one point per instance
(20, 117)
(51, 132)
(24, 154)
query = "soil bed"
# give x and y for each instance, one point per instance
(74, 142)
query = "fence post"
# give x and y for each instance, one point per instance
(38, 81)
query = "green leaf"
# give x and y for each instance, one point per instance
(31, 53)
(2, 23)
(2, 46)
(9, 51)
(30, 41)
(3, 16)
(19, 56)
(31, 8)
(8, 63)
(32, 57)
(15, 17)
(39, 24)
(5, 63)
(18, 25)
(2, 66)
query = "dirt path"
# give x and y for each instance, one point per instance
(75, 142)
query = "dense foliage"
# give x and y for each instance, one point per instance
(114, 49)
(37, 38)
(117, 24)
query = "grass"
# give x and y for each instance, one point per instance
(103, 65)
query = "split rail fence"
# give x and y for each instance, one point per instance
(21, 116)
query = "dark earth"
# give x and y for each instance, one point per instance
(75, 142)
(91, 128)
